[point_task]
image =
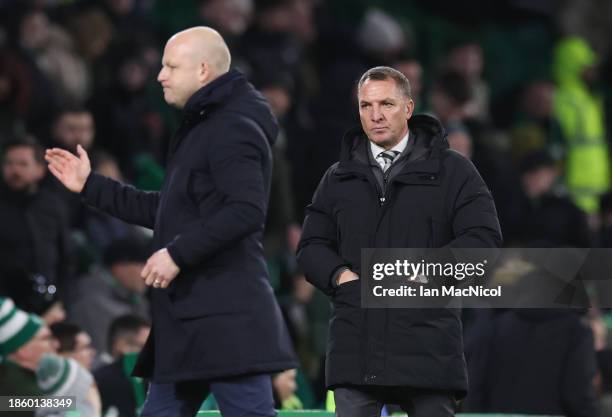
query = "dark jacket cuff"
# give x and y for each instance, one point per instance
(89, 187)
(176, 256)
(336, 274)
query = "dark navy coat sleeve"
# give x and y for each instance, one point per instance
(472, 209)
(318, 248)
(120, 200)
(236, 164)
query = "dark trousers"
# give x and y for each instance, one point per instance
(247, 396)
(366, 401)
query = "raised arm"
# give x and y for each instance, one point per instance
(119, 200)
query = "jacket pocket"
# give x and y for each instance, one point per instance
(348, 294)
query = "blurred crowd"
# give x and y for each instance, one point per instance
(524, 89)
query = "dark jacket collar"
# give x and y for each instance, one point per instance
(429, 140)
(429, 132)
(214, 93)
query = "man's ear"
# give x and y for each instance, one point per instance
(409, 108)
(204, 73)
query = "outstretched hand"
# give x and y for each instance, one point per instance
(72, 171)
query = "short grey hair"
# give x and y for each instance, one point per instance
(385, 73)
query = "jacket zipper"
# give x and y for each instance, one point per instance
(383, 195)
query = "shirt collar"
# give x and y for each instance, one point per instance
(376, 150)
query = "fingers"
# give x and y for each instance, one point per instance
(82, 154)
(56, 166)
(60, 153)
(156, 281)
(156, 273)
(146, 270)
(151, 278)
(56, 172)
(59, 160)
(53, 158)
(150, 275)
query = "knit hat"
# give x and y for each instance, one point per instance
(60, 376)
(65, 377)
(16, 326)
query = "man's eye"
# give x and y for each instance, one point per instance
(388, 104)
(364, 105)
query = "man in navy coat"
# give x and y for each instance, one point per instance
(216, 325)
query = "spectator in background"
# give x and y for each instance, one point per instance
(72, 126)
(25, 339)
(129, 19)
(579, 110)
(34, 223)
(127, 120)
(531, 361)
(449, 97)
(281, 218)
(111, 291)
(74, 343)
(381, 36)
(15, 94)
(229, 17)
(59, 376)
(537, 127)
(546, 213)
(279, 34)
(52, 51)
(93, 33)
(127, 336)
(466, 58)
(413, 71)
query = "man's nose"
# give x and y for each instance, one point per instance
(376, 114)
(160, 76)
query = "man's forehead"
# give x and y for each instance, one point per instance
(378, 89)
(20, 150)
(173, 48)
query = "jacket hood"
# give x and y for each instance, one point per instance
(428, 130)
(233, 93)
(571, 56)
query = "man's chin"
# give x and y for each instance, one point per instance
(18, 187)
(380, 140)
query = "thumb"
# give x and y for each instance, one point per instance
(82, 154)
